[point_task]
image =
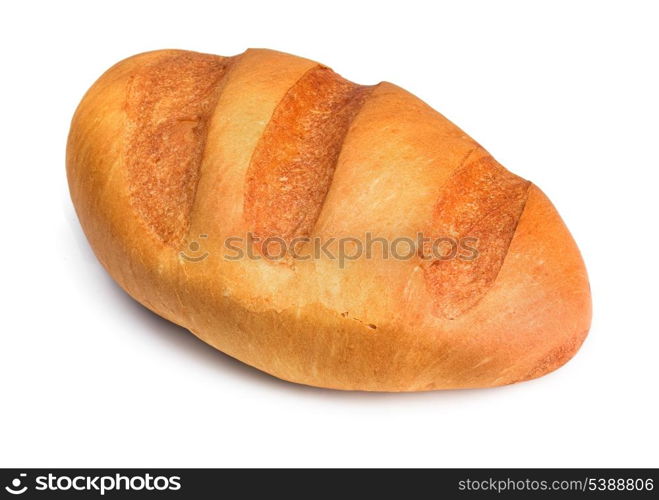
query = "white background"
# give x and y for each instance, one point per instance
(564, 94)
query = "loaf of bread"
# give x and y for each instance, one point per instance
(328, 233)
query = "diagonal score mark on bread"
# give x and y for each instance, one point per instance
(482, 201)
(293, 164)
(168, 104)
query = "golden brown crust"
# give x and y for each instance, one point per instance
(481, 201)
(294, 161)
(387, 164)
(168, 104)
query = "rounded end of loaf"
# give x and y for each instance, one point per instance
(558, 302)
(535, 316)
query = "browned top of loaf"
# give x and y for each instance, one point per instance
(169, 103)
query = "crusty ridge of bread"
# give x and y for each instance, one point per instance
(170, 146)
(167, 131)
(293, 164)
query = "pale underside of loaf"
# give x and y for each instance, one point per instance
(173, 147)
